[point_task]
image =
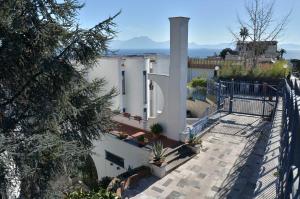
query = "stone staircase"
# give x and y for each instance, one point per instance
(177, 157)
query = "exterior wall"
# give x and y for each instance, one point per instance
(200, 72)
(109, 68)
(161, 66)
(133, 101)
(133, 156)
(271, 52)
(134, 85)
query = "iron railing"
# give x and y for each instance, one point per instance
(246, 98)
(289, 159)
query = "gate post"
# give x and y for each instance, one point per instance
(231, 96)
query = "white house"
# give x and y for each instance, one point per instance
(152, 87)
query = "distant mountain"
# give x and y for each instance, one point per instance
(144, 42)
(138, 43)
(289, 46)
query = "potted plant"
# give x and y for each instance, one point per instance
(195, 143)
(156, 129)
(142, 141)
(122, 136)
(158, 153)
(137, 118)
(157, 164)
(128, 115)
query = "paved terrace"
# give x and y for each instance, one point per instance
(229, 165)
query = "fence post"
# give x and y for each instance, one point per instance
(264, 98)
(231, 96)
(219, 95)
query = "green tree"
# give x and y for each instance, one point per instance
(281, 52)
(225, 51)
(49, 112)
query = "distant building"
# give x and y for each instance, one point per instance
(267, 51)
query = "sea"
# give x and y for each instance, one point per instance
(197, 53)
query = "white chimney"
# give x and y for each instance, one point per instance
(177, 91)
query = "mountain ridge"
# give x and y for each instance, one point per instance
(144, 42)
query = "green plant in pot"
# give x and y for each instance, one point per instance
(142, 140)
(122, 136)
(158, 153)
(195, 143)
(156, 129)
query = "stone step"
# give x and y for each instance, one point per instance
(178, 158)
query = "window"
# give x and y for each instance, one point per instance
(145, 86)
(114, 159)
(123, 82)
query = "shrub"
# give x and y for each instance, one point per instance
(156, 129)
(198, 82)
(101, 194)
(261, 72)
(104, 182)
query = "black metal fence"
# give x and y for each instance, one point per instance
(289, 159)
(244, 97)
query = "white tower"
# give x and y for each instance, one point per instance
(177, 91)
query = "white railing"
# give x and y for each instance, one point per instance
(196, 128)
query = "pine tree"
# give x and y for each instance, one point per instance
(49, 113)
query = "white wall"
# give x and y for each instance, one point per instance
(133, 156)
(109, 69)
(134, 97)
(161, 66)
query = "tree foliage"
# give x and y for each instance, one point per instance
(259, 27)
(226, 51)
(49, 112)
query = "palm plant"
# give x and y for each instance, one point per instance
(281, 52)
(158, 152)
(244, 33)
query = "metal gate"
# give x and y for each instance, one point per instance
(246, 98)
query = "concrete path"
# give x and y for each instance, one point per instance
(227, 167)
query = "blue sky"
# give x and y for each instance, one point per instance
(209, 23)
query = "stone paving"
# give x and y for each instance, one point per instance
(227, 167)
(266, 183)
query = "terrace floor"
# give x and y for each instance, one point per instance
(229, 165)
(134, 132)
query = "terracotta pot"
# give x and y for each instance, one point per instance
(141, 144)
(158, 162)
